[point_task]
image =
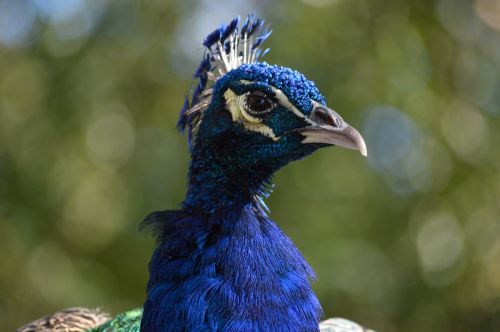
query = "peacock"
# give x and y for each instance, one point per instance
(220, 263)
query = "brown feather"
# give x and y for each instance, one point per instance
(68, 320)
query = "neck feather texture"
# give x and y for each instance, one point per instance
(222, 265)
(217, 183)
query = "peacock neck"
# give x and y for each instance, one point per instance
(219, 183)
(221, 264)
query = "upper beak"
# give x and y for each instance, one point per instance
(329, 128)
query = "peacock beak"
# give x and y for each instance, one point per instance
(328, 127)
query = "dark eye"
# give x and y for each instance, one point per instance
(258, 103)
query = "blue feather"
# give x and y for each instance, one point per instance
(212, 38)
(256, 25)
(199, 88)
(182, 121)
(203, 68)
(262, 38)
(230, 29)
(245, 25)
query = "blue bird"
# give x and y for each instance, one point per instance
(221, 264)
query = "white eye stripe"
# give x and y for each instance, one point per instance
(236, 106)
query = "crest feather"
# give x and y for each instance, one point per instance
(227, 48)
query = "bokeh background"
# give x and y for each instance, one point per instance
(405, 240)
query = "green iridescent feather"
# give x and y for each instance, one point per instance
(129, 321)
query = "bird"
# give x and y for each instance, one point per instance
(220, 263)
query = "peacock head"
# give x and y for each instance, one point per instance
(254, 116)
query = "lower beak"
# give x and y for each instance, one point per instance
(328, 127)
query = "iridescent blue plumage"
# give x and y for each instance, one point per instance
(221, 264)
(231, 271)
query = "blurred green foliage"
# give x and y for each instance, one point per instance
(405, 240)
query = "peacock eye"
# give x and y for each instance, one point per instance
(257, 103)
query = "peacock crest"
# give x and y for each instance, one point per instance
(226, 48)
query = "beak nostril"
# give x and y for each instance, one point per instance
(338, 122)
(323, 116)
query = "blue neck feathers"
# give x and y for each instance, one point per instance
(221, 264)
(218, 183)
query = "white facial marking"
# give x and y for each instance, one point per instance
(235, 104)
(283, 99)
